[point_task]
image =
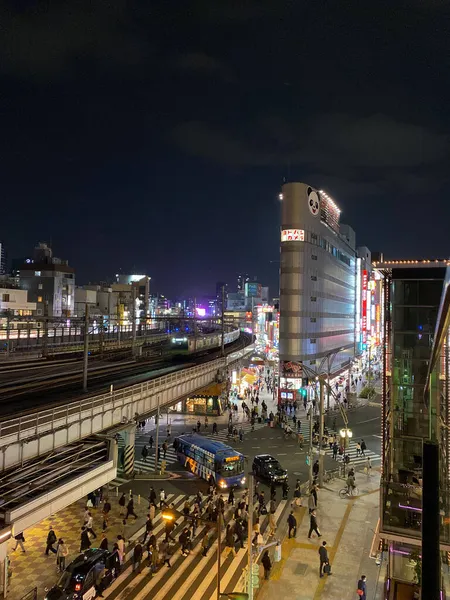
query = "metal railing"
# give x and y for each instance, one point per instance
(31, 426)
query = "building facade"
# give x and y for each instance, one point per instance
(50, 283)
(415, 414)
(2, 259)
(317, 282)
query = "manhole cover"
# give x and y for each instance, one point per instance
(301, 569)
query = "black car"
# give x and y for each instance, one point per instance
(267, 467)
(78, 580)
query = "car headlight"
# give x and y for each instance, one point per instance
(222, 484)
(243, 480)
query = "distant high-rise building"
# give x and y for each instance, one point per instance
(242, 279)
(221, 294)
(2, 259)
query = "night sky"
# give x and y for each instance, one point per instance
(154, 135)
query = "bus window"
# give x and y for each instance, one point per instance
(235, 467)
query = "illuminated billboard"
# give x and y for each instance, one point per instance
(292, 235)
(253, 289)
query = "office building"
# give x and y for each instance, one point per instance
(242, 279)
(317, 285)
(415, 423)
(50, 283)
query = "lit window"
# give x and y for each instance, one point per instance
(37, 273)
(313, 340)
(40, 286)
(39, 299)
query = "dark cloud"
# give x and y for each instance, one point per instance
(204, 64)
(326, 141)
(47, 38)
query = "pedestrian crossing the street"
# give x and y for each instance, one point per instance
(356, 458)
(191, 576)
(223, 436)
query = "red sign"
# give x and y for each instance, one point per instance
(364, 307)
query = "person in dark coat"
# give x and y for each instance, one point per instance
(104, 542)
(362, 587)
(292, 524)
(130, 509)
(85, 542)
(267, 564)
(51, 539)
(313, 525)
(137, 557)
(323, 555)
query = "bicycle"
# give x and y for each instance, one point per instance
(346, 493)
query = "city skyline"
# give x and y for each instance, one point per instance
(135, 138)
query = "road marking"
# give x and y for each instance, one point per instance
(377, 436)
(255, 447)
(282, 454)
(369, 420)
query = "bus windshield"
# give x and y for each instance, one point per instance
(228, 468)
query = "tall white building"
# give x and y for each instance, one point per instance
(317, 283)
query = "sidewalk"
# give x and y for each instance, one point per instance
(35, 569)
(347, 526)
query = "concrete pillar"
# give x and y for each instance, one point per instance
(129, 435)
(5, 535)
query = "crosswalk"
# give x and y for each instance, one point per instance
(356, 459)
(192, 576)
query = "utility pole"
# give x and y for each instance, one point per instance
(86, 346)
(223, 323)
(311, 420)
(133, 313)
(8, 332)
(250, 536)
(45, 336)
(321, 423)
(101, 336)
(157, 435)
(219, 550)
(328, 382)
(195, 324)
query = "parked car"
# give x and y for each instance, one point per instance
(267, 467)
(78, 580)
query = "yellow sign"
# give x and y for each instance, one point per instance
(230, 458)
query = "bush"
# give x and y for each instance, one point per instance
(367, 392)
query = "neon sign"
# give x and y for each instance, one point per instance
(292, 235)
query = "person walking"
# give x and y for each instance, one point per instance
(323, 555)
(85, 542)
(150, 442)
(362, 589)
(316, 469)
(267, 564)
(51, 539)
(313, 525)
(19, 541)
(148, 528)
(121, 548)
(358, 449)
(162, 498)
(104, 542)
(122, 502)
(130, 509)
(61, 552)
(363, 447)
(368, 467)
(137, 557)
(231, 497)
(214, 429)
(292, 525)
(205, 544)
(144, 453)
(151, 497)
(89, 525)
(335, 450)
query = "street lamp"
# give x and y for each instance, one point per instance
(346, 434)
